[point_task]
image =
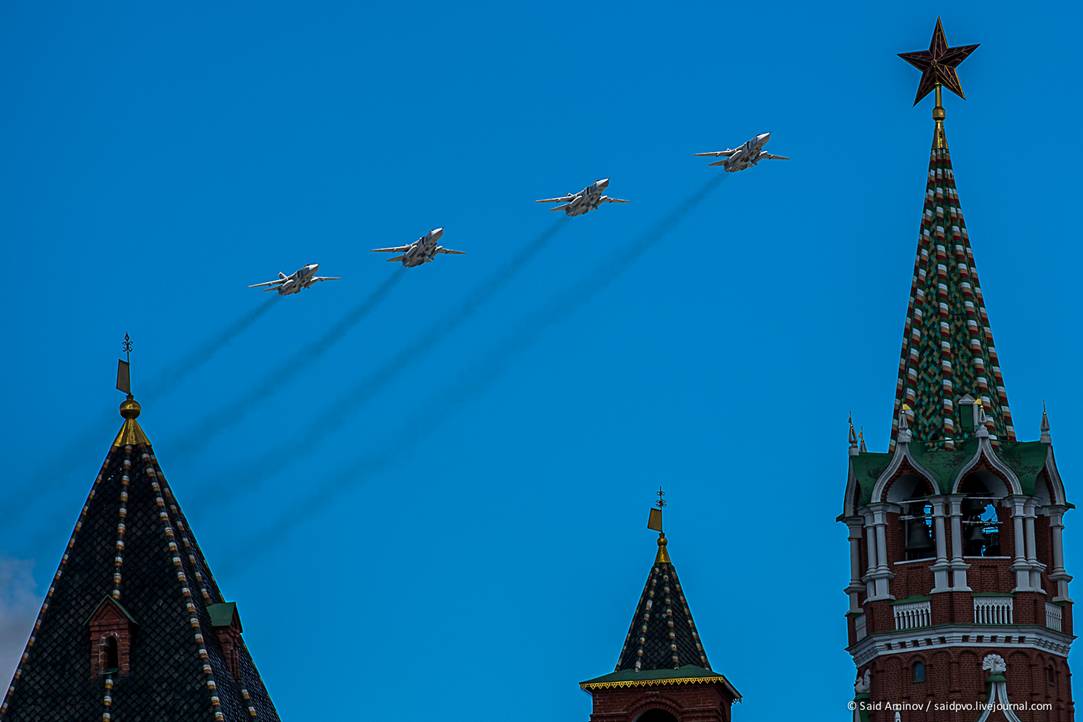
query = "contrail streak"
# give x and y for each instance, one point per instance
(350, 401)
(430, 416)
(215, 424)
(172, 378)
(74, 454)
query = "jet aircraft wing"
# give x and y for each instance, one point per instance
(558, 199)
(276, 282)
(393, 249)
(771, 156)
(715, 153)
(316, 279)
(441, 249)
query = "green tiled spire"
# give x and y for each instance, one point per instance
(948, 355)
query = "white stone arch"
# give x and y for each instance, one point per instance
(1055, 482)
(897, 469)
(1003, 473)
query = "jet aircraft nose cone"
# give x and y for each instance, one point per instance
(765, 137)
(313, 267)
(602, 183)
(437, 232)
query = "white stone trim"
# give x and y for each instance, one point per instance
(985, 448)
(905, 642)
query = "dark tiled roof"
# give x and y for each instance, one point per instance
(662, 635)
(133, 544)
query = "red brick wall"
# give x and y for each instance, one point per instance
(688, 703)
(956, 675)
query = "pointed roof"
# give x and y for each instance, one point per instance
(132, 546)
(662, 634)
(948, 356)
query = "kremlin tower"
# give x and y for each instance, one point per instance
(133, 626)
(662, 674)
(958, 590)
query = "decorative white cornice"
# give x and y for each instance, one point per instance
(1001, 637)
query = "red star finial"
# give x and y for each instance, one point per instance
(938, 63)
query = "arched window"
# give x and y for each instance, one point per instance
(110, 656)
(1050, 675)
(919, 672)
(656, 715)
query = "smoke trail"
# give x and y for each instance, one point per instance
(430, 416)
(202, 354)
(353, 399)
(74, 455)
(203, 432)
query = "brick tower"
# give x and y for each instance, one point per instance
(662, 674)
(133, 626)
(958, 591)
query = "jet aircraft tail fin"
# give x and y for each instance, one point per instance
(396, 258)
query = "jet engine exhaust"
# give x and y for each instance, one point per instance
(479, 378)
(352, 400)
(201, 355)
(210, 427)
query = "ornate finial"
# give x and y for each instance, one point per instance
(655, 522)
(853, 434)
(1046, 437)
(904, 436)
(124, 376)
(937, 66)
(861, 442)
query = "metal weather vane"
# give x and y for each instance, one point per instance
(937, 65)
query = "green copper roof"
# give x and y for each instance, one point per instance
(948, 351)
(1025, 458)
(222, 614)
(688, 674)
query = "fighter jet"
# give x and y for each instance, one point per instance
(585, 201)
(421, 251)
(297, 281)
(744, 156)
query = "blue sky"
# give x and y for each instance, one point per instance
(483, 484)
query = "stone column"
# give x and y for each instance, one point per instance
(881, 572)
(853, 524)
(1058, 573)
(940, 568)
(958, 566)
(1029, 514)
(1020, 565)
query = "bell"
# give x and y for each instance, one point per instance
(917, 537)
(976, 535)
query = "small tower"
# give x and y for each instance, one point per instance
(958, 591)
(662, 674)
(133, 626)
